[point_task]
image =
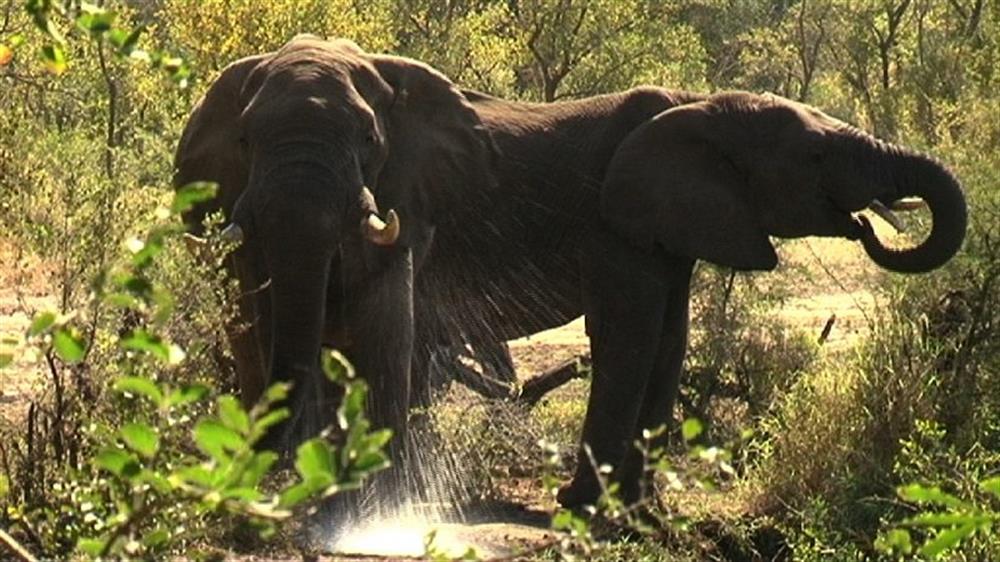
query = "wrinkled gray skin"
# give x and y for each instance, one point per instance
(516, 218)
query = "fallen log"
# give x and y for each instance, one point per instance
(535, 388)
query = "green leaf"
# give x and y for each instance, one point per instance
(94, 19)
(214, 439)
(242, 493)
(298, 493)
(191, 194)
(353, 404)
(55, 59)
(313, 459)
(269, 419)
(136, 286)
(146, 251)
(68, 344)
(257, 467)
(896, 541)
(277, 392)
(125, 42)
(371, 461)
(156, 480)
(197, 475)
(156, 537)
(946, 540)
(337, 368)
(992, 486)
(917, 493)
(141, 340)
(91, 547)
(691, 428)
(232, 414)
(379, 438)
(140, 386)
(6, 358)
(118, 462)
(141, 438)
(41, 323)
(946, 519)
(564, 520)
(187, 394)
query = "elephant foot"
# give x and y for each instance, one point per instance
(579, 492)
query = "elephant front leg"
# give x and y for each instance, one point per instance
(625, 299)
(661, 391)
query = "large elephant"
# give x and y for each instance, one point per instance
(517, 217)
(302, 143)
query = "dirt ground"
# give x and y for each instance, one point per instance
(25, 287)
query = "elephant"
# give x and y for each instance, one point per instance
(512, 217)
(293, 139)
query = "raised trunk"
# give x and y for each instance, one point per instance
(919, 176)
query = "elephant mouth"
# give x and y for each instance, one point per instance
(901, 205)
(884, 212)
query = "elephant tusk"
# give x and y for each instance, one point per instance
(908, 204)
(379, 232)
(232, 234)
(881, 210)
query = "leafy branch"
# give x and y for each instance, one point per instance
(944, 526)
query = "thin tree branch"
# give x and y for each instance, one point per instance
(15, 548)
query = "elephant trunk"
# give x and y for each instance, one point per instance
(915, 175)
(299, 279)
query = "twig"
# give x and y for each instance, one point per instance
(109, 81)
(59, 406)
(15, 548)
(827, 328)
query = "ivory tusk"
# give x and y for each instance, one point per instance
(881, 210)
(382, 233)
(908, 204)
(232, 234)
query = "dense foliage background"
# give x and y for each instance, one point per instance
(85, 161)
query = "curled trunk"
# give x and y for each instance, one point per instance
(919, 176)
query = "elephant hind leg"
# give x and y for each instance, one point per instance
(626, 292)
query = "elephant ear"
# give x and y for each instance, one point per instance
(209, 149)
(670, 184)
(440, 155)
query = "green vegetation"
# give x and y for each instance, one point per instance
(886, 446)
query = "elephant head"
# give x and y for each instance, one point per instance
(713, 179)
(333, 165)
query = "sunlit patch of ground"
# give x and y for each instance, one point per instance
(25, 287)
(415, 538)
